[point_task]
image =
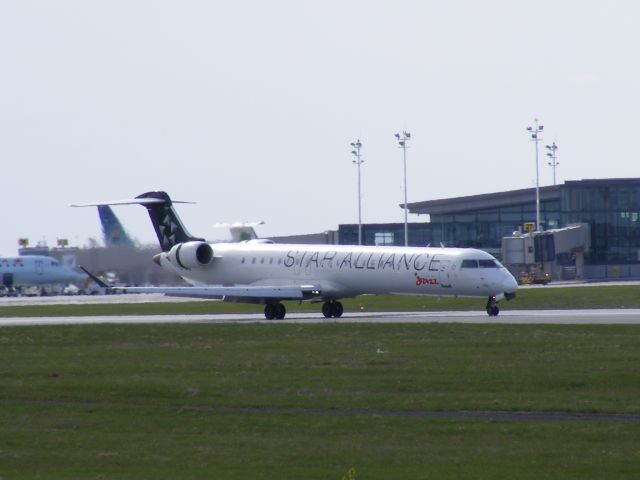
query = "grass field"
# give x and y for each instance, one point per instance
(284, 401)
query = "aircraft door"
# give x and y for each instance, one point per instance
(307, 268)
(7, 280)
(297, 264)
(445, 273)
(441, 267)
(302, 265)
(39, 267)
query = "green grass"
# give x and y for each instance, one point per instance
(162, 401)
(615, 296)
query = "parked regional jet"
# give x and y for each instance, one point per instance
(241, 231)
(35, 270)
(260, 271)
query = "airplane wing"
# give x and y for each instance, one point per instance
(241, 292)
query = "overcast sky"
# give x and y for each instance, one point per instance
(248, 107)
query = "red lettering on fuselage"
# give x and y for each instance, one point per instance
(425, 280)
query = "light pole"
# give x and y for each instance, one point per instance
(358, 161)
(554, 158)
(402, 141)
(535, 137)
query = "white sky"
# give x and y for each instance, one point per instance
(248, 107)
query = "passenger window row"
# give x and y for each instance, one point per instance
(263, 260)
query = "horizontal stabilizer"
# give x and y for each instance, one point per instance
(94, 278)
(130, 201)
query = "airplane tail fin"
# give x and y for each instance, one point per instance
(166, 223)
(113, 233)
(168, 226)
(240, 231)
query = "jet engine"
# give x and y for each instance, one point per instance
(191, 254)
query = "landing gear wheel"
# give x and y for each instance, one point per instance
(274, 310)
(269, 311)
(492, 308)
(332, 309)
(280, 311)
(337, 309)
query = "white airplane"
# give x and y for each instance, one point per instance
(38, 270)
(262, 272)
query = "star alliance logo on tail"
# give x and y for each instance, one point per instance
(168, 230)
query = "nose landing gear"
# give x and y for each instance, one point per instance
(492, 307)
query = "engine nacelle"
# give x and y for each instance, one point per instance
(190, 255)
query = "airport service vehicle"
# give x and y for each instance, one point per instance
(538, 277)
(262, 272)
(35, 270)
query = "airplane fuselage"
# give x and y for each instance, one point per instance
(35, 270)
(345, 271)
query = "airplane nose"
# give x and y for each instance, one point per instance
(509, 284)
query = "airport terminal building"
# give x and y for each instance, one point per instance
(609, 208)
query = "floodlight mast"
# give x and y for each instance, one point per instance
(535, 137)
(554, 158)
(358, 161)
(402, 142)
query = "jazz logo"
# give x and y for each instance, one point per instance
(425, 280)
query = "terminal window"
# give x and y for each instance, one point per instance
(384, 238)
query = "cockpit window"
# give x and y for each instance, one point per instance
(480, 264)
(488, 264)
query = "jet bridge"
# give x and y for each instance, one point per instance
(541, 250)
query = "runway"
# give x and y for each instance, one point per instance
(556, 317)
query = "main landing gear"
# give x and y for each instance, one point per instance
(274, 310)
(492, 307)
(277, 310)
(332, 309)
